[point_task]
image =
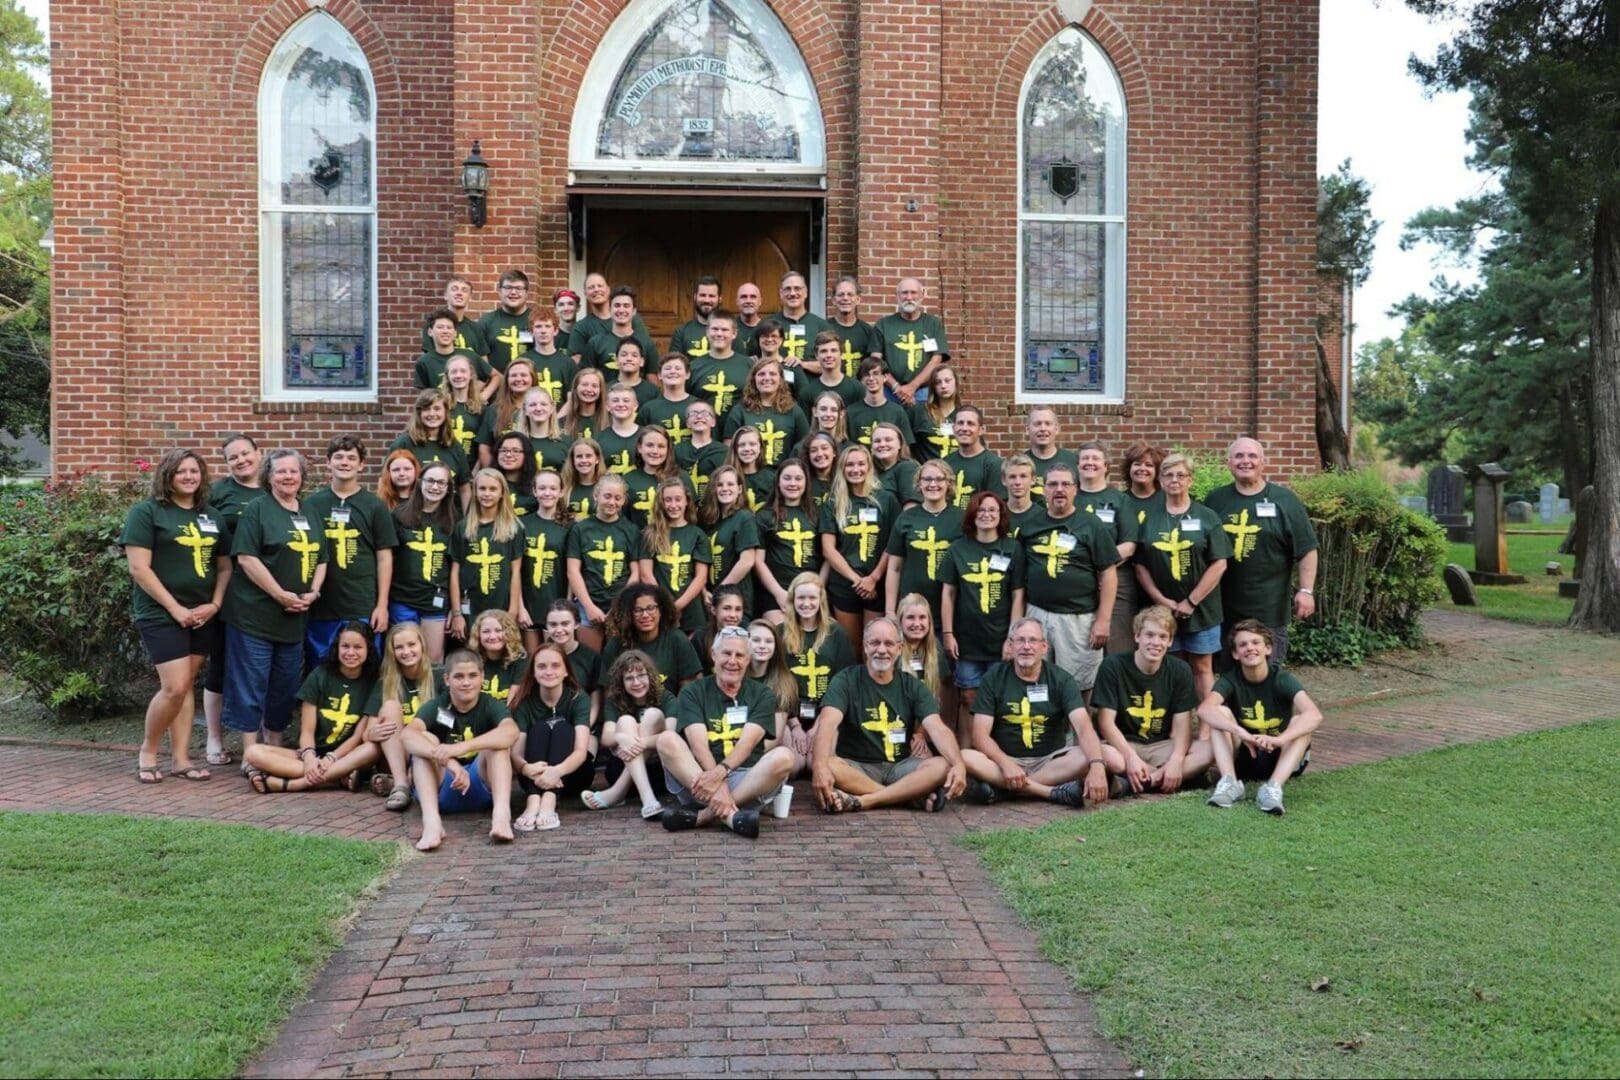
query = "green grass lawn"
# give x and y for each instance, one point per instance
(1537, 601)
(1459, 904)
(133, 947)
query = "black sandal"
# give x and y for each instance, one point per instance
(843, 803)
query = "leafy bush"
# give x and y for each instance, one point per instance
(1209, 472)
(65, 594)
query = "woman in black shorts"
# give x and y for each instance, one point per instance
(855, 524)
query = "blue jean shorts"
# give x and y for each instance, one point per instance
(403, 613)
(1205, 642)
(969, 673)
(477, 798)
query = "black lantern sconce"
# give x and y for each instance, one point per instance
(475, 182)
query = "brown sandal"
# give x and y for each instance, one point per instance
(190, 772)
(149, 774)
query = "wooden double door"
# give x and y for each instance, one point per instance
(662, 252)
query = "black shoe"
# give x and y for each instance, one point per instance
(1068, 794)
(1119, 787)
(743, 823)
(679, 819)
(979, 793)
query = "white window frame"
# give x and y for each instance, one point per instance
(627, 31)
(1114, 264)
(272, 317)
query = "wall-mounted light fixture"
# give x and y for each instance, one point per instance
(475, 182)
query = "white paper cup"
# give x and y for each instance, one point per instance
(783, 800)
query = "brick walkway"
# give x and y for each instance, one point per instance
(874, 945)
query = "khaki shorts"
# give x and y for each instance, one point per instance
(1068, 639)
(887, 772)
(1156, 753)
(1030, 764)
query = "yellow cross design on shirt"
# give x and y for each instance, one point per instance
(772, 440)
(680, 569)
(1243, 535)
(461, 432)
(884, 725)
(678, 432)
(493, 686)
(620, 463)
(815, 682)
(1173, 545)
(1255, 719)
(581, 509)
(542, 560)
(988, 581)
(944, 442)
(699, 348)
(932, 548)
(725, 734)
(700, 481)
(800, 538)
(1054, 554)
(865, 533)
(340, 716)
(509, 337)
(551, 386)
(200, 545)
(1033, 726)
(609, 558)
(644, 501)
(852, 359)
(307, 550)
(912, 348)
(344, 540)
(755, 502)
(793, 346)
(488, 563)
(721, 390)
(964, 490)
(428, 550)
(1147, 715)
(512, 499)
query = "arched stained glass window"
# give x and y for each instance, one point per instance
(699, 86)
(318, 216)
(1071, 225)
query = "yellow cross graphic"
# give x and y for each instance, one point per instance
(461, 432)
(772, 440)
(340, 716)
(699, 348)
(512, 498)
(755, 502)
(582, 508)
(721, 390)
(427, 549)
(680, 569)
(912, 347)
(644, 501)
(620, 463)
(1243, 535)
(200, 545)
(865, 533)
(1034, 726)
(883, 724)
(1255, 719)
(944, 442)
(307, 550)
(964, 490)
(678, 432)
(493, 687)
(509, 337)
(344, 540)
(609, 558)
(800, 538)
(541, 559)
(852, 359)
(726, 735)
(793, 346)
(1147, 714)
(1055, 555)
(700, 481)
(988, 581)
(488, 563)
(554, 387)
(815, 675)
(932, 548)
(1173, 545)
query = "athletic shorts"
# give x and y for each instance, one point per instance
(1260, 766)
(478, 796)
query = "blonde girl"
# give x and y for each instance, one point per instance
(486, 554)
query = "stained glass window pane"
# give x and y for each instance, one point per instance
(1068, 266)
(326, 281)
(1074, 131)
(326, 117)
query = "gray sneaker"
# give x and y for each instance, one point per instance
(1269, 798)
(1229, 791)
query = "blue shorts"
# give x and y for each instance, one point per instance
(403, 613)
(478, 796)
(1205, 642)
(969, 673)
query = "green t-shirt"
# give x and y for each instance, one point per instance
(1177, 549)
(602, 352)
(585, 664)
(691, 339)
(409, 700)
(900, 480)
(339, 704)
(508, 336)
(452, 726)
(985, 577)
(1108, 507)
(469, 339)
(291, 546)
(464, 427)
(1265, 707)
(588, 326)
(429, 371)
(428, 453)
(618, 451)
(553, 372)
(759, 488)
(544, 575)
(675, 567)
(862, 533)
(486, 567)
(226, 498)
(1062, 560)
(1270, 531)
(185, 545)
(669, 415)
(790, 543)
(1020, 522)
(1136, 510)
(640, 503)
(729, 538)
(605, 550)
(720, 382)
(936, 439)
(1144, 705)
(501, 675)
(1059, 456)
(357, 527)
(857, 343)
(923, 540)
(522, 505)
(549, 454)
(699, 462)
(779, 432)
(813, 669)
(861, 418)
(672, 654)
(800, 333)
(878, 719)
(808, 388)
(581, 501)
(724, 716)
(421, 567)
(981, 472)
(908, 343)
(572, 707)
(1028, 718)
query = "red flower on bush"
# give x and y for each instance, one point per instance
(142, 465)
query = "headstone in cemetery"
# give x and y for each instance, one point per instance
(1447, 491)
(1461, 586)
(1518, 512)
(1415, 502)
(1547, 505)
(1490, 527)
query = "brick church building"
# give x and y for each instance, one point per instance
(1111, 203)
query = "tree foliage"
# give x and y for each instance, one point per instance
(1345, 227)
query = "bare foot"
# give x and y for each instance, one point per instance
(501, 832)
(430, 840)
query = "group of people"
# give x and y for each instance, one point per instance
(791, 554)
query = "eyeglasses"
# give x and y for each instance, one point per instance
(730, 632)
(645, 610)
(434, 481)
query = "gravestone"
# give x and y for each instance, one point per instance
(1447, 489)
(1563, 507)
(1518, 512)
(1490, 527)
(1547, 505)
(1461, 586)
(1415, 502)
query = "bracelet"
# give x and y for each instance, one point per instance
(948, 633)
(1304, 590)
(726, 767)
(302, 750)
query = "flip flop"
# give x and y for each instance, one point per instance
(219, 758)
(652, 811)
(398, 799)
(190, 772)
(149, 774)
(547, 822)
(526, 823)
(382, 784)
(937, 799)
(593, 800)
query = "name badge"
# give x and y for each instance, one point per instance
(1000, 562)
(466, 606)
(917, 664)
(869, 513)
(1105, 514)
(526, 337)
(445, 720)
(789, 374)
(1265, 509)
(736, 715)
(897, 735)
(1037, 695)
(1064, 541)
(1191, 524)
(207, 524)
(930, 345)
(439, 600)
(300, 522)
(807, 711)
(341, 514)
(796, 330)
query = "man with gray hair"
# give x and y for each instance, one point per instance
(861, 758)
(1070, 577)
(913, 344)
(1018, 730)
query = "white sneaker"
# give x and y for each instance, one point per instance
(1230, 790)
(1269, 798)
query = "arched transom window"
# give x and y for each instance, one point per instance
(698, 86)
(1071, 225)
(318, 216)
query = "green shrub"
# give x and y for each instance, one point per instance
(65, 595)
(1209, 472)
